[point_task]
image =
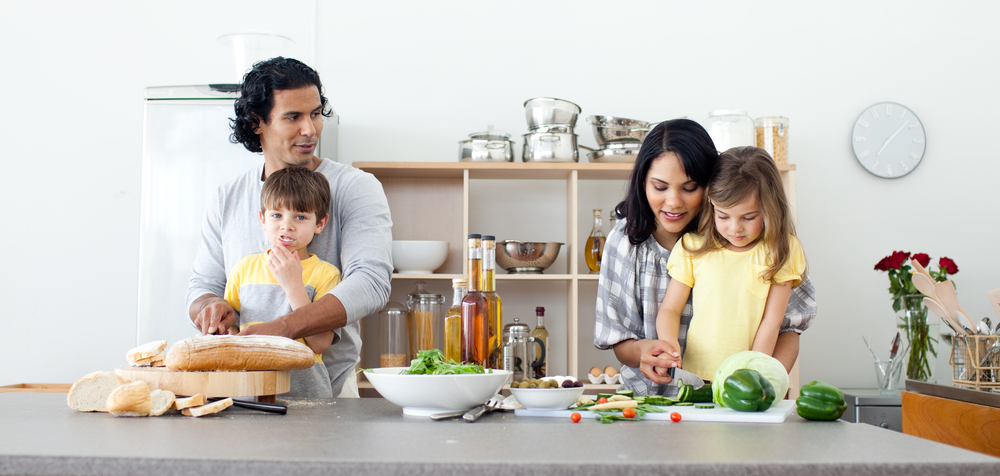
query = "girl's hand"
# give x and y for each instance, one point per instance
(656, 358)
(287, 267)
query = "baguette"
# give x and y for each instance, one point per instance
(145, 352)
(192, 401)
(90, 393)
(214, 407)
(236, 353)
(130, 400)
(161, 401)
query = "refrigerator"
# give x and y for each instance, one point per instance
(186, 156)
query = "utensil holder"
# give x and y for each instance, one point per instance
(888, 374)
(975, 362)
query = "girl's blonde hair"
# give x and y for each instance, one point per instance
(744, 173)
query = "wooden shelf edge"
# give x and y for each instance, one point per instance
(448, 277)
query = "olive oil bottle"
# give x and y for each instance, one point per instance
(453, 322)
(540, 333)
(475, 324)
(594, 249)
(494, 304)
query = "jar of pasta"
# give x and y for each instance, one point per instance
(772, 136)
(426, 319)
(394, 336)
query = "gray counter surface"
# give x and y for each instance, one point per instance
(370, 436)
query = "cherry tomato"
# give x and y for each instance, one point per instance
(628, 413)
(575, 417)
(675, 416)
(602, 400)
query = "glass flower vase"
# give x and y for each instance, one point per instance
(921, 334)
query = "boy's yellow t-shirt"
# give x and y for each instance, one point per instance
(728, 298)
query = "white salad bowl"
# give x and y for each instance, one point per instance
(547, 398)
(424, 395)
(418, 257)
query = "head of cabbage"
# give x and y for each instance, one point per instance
(768, 366)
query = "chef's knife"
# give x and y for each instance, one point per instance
(683, 375)
(895, 347)
(264, 407)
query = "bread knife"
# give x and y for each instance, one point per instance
(264, 407)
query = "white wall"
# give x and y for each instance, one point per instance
(410, 79)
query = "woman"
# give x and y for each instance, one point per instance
(665, 196)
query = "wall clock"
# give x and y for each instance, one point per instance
(888, 140)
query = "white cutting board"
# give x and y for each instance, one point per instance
(776, 414)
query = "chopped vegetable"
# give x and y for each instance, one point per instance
(431, 362)
(619, 398)
(615, 405)
(704, 405)
(627, 393)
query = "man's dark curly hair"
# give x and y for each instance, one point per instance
(257, 96)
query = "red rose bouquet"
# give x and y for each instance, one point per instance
(906, 298)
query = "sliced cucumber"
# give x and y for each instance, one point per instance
(705, 405)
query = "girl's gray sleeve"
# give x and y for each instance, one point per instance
(801, 308)
(617, 309)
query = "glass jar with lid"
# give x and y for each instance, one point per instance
(772, 136)
(729, 128)
(426, 319)
(394, 340)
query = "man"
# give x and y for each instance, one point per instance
(280, 113)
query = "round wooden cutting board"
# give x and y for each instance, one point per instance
(212, 384)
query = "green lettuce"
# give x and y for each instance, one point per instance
(768, 366)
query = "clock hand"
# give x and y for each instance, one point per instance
(893, 136)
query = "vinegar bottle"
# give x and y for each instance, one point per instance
(493, 302)
(475, 326)
(453, 322)
(594, 248)
(543, 335)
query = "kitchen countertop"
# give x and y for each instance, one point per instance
(41, 435)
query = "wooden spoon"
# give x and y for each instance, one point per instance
(938, 309)
(925, 285)
(995, 300)
(920, 269)
(949, 299)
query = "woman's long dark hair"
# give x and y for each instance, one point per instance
(696, 150)
(257, 96)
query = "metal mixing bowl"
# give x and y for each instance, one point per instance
(550, 111)
(524, 257)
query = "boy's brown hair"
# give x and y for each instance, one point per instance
(298, 189)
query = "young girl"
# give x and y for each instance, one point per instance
(744, 260)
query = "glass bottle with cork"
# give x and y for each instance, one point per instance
(594, 248)
(494, 304)
(475, 327)
(540, 334)
(453, 322)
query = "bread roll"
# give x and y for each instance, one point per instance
(130, 400)
(160, 401)
(213, 407)
(233, 353)
(90, 393)
(144, 352)
(192, 401)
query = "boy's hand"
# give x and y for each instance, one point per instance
(287, 267)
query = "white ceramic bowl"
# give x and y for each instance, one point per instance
(418, 257)
(547, 398)
(423, 395)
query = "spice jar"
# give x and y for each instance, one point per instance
(426, 319)
(393, 336)
(772, 136)
(729, 128)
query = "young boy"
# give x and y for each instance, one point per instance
(264, 286)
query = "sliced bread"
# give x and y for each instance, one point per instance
(160, 402)
(90, 393)
(130, 400)
(192, 401)
(214, 407)
(145, 351)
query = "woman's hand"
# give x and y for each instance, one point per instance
(287, 267)
(656, 358)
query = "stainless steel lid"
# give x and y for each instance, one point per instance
(489, 135)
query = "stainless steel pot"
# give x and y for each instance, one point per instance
(610, 130)
(550, 147)
(614, 155)
(478, 150)
(550, 111)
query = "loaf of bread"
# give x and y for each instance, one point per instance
(160, 401)
(214, 407)
(130, 400)
(234, 353)
(90, 393)
(145, 354)
(192, 401)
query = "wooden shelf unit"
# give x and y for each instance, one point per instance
(423, 195)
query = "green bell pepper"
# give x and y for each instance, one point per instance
(746, 390)
(820, 401)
